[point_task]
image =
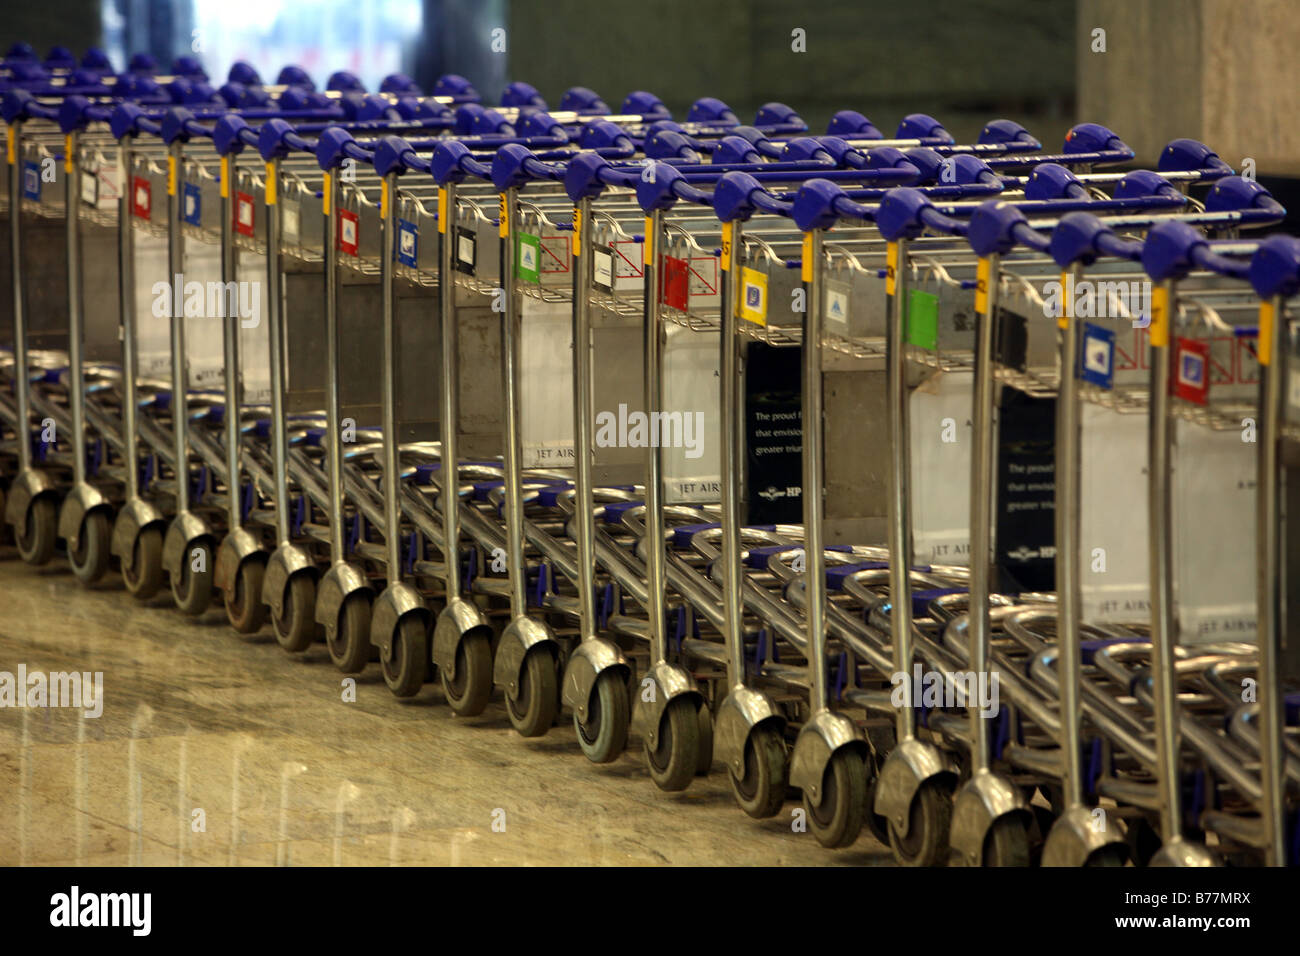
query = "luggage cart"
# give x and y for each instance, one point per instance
(31, 504)
(1082, 830)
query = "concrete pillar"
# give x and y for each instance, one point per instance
(1221, 71)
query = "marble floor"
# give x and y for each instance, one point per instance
(214, 749)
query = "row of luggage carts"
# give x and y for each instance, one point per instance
(472, 395)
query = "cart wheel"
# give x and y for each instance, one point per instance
(604, 734)
(145, 577)
(1143, 841)
(469, 691)
(295, 625)
(349, 645)
(1007, 843)
(837, 820)
(192, 590)
(1113, 854)
(761, 791)
(675, 757)
(244, 608)
(38, 532)
(90, 559)
(533, 711)
(406, 665)
(705, 762)
(930, 815)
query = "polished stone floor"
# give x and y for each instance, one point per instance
(214, 749)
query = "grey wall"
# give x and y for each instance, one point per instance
(1221, 71)
(72, 23)
(963, 62)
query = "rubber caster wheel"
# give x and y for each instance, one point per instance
(469, 691)
(349, 643)
(603, 736)
(760, 791)
(144, 579)
(705, 762)
(929, 818)
(1111, 855)
(192, 590)
(836, 819)
(1007, 843)
(38, 532)
(295, 625)
(1143, 841)
(244, 608)
(89, 559)
(532, 711)
(675, 757)
(409, 657)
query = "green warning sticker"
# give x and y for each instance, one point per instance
(923, 319)
(528, 257)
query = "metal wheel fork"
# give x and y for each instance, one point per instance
(136, 514)
(83, 498)
(827, 738)
(595, 655)
(31, 482)
(1075, 838)
(460, 619)
(744, 709)
(344, 579)
(1177, 850)
(664, 681)
(399, 601)
(188, 535)
(525, 637)
(987, 796)
(239, 544)
(913, 763)
(289, 560)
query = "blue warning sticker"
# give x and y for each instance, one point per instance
(192, 204)
(32, 181)
(1097, 355)
(408, 243)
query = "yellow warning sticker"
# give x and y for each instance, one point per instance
(891, 267)
(442, 209)
(383, 198)
(982, 271)
(12, 146)
(1063, 320)
(272, 175)
(1159, 330)
(728, 231)
(577, 232)
(649, 243)
(171, 175)
(806, 260)
(67, 153)
(505, 219)
(1267, 316)
(225, 177)
(753, 296)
